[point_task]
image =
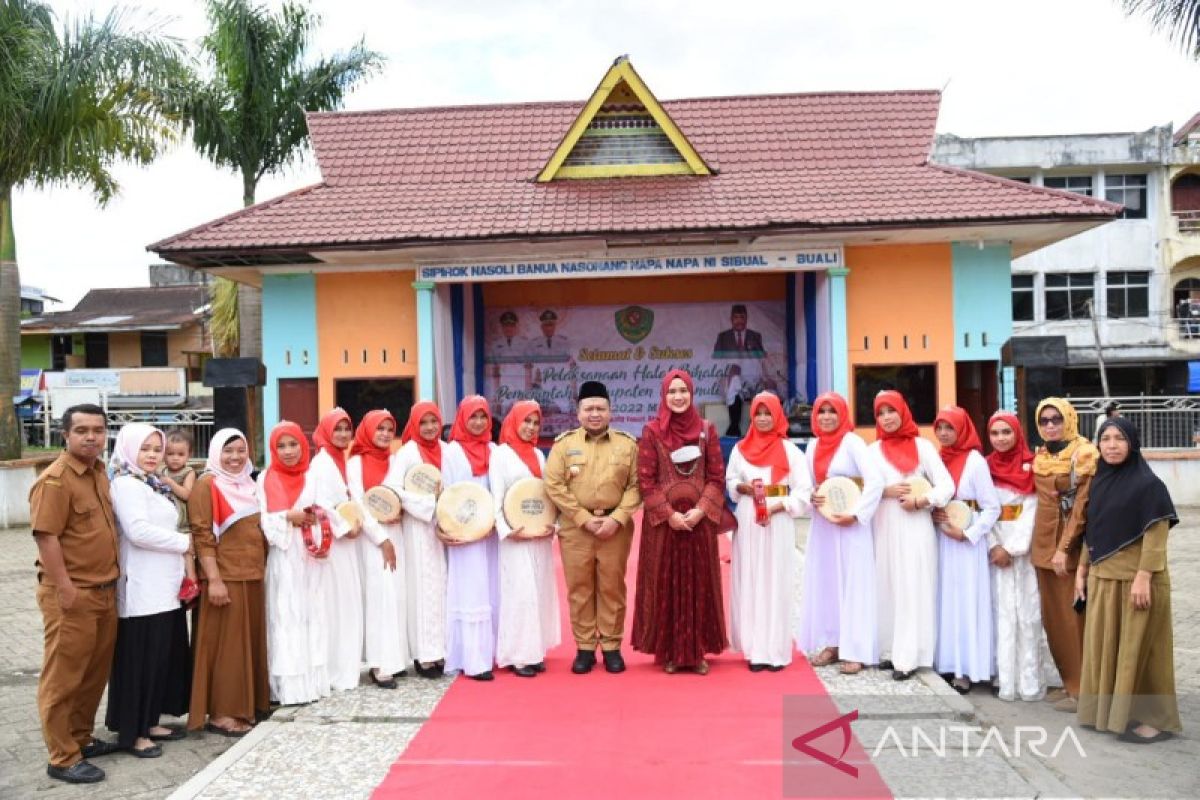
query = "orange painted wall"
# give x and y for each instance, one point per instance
(374, 312)
(619, 291)
(898, 291)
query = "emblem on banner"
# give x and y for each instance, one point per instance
(634, 323)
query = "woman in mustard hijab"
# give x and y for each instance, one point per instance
(1062, 473)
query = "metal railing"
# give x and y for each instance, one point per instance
(1187, 221)
(196, 421)
(1164, 422)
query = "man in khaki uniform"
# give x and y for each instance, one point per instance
(591, 475)
(72, 519)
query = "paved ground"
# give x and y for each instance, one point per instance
(358, 734)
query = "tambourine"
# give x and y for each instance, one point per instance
(918, 487)
(841, 496)
(466, 511)
(959, 514)
(423, 479)
(351, 512)
(382, 503)
(526, 505)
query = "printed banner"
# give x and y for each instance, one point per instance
(545, 354)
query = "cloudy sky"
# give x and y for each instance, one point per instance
(1012, 67)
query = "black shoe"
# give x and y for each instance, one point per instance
(538, 667)
(427, 672)
(773, 667)
(613, 662)
(886, 664)
(79, 772)
(97, 748)
(175, 735)
(153, 751)
(584, 661)
(757, 667)
(482, 676)
(962, 687)
(900, 675)
(390, 683)
(524, 672)
(1133, 738)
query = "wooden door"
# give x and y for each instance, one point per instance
(298, 403)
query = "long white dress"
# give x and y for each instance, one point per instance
(965, 644)
(529, 625)
(838, 604)
(345, 590)
(906, 556)
(424, 562)
(1020, 669)
(298, 589)
(472, 583)
(385, 598)
(765, 565)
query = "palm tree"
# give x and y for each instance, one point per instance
(1179, 18)
(72, 103)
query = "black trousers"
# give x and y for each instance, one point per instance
(735, 418)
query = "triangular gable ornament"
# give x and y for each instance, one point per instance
(623, 131)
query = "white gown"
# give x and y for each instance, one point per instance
(298, 588)
(346, 594)
(472, 582)
(1021, 670)
(965, 644)
(424, 562)
(529, 625)
(385, 598)
(765, 565)
(838, 605)
(906, 556)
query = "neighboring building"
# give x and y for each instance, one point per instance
(33, 300)
(156, 326)
(1136, 275)
(519, 249)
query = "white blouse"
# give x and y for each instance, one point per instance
(151, 549)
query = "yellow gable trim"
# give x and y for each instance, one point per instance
(622, 71)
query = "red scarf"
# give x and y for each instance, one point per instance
(1014, 468)
(283, 484)
(527, 451)
(374, 458)
(766, 449)
(967, 439)
(323, 437)
(828, 443)
(900, 447)
(684, 428)
(431, 452)
(478, 448)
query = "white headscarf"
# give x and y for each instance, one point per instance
(237, 489)
(128, 446)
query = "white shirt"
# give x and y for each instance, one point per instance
(151, 549)
(733, 390)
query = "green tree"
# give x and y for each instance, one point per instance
(1180, 19)
(73, 102)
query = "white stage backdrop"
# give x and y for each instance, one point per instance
(546, 353)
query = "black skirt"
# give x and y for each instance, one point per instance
(151, 674)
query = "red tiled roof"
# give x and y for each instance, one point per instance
(467, 172)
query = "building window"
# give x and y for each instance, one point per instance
(1128, 294)
(917, 382)
(1079, 184)
(1068, 294)
(1022, 298)
(95, 350)
(154, 348)
(1186, 304)
(1129, 191)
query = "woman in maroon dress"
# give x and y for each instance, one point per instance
(679, 616)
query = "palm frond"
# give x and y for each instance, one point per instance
(223, 325)
(1179, 19)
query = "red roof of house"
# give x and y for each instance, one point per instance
(833, 160)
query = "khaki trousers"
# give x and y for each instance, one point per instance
(76, 659)
(595, 573)
(1064, 627)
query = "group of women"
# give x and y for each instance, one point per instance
(296, 597)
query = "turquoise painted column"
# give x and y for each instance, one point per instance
(425, 366)
(839, 350)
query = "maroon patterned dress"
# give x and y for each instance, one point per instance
(679, 613)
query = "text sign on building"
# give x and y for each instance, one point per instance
(641, 266)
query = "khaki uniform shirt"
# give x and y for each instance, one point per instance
(593, 476)
(71, 501)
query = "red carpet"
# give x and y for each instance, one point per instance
(639, 734)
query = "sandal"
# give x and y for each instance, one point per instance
(825, 657)
(670, 668)
(701, 668)
(850, 668)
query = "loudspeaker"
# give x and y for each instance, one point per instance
(229, 408)
(227, 372)
(1040, 383)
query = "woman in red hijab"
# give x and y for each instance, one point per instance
(1019, 664)
(472, 587)
(298, 581)
(965, 650)
(837, 611)
(529, 626)
(327, 474)
(424, 553)
(385, 599)
(765, 563)
(906, 546)
(679, 614)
